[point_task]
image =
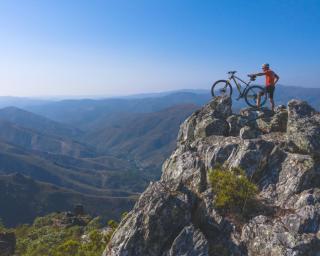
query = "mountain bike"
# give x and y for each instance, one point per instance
(250, 92)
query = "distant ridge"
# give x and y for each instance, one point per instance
(28, 199)
(147, 138)
(36, 122)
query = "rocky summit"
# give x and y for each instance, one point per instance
(177, 215)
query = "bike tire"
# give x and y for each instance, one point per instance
(215, 86)
(252, 93)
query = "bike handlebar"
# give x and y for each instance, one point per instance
(252, 77)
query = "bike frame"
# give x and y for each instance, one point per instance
(239, 87)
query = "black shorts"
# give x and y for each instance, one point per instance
(269, 91)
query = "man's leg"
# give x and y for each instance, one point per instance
(259, 99)
(271, 91)
(272, 104)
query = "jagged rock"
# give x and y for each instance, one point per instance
(184, 167)
(220, 107)
(264, 236)
(307, 197)
(265, 120)
(251, 156)
(296, 174)
(7, 243)
(278, 151)
(252, 113)
(211, 120)
(304, 127)
(278, 122)
(190, 242)
(217, 150)
(152, 226)
(211, 126)
(293, 233)
(248, 132)
(236, 122)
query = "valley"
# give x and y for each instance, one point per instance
(99, 153)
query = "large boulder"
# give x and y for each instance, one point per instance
(303, 127)
(191, 241)
(185, 167)
(266, 120)
(248, 132)
(236, 122)
(211, 120)
(152, 226)
(267, 236)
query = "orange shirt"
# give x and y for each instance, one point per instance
(269, 77)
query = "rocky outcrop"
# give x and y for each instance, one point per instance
(304, 127)
(278, 151)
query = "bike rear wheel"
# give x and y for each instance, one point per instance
(221, 88)
(252, 93)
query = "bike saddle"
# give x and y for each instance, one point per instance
(232, 72)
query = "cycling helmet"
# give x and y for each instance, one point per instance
(265, 65)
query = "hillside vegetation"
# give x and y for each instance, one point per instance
(61, 234)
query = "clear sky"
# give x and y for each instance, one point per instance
(113, 47)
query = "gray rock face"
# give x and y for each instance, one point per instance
(190, 242)
(236, 122)
(156, 220)
(304, 127)
(177, 215)
(211, 120)
(248, 132)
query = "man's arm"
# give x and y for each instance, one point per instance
(277, 78)
(257, 74)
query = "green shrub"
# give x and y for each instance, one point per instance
(112, 224)
(232, 188)
(94, 224)
(44, 220)
(96, 244)
(123, 215)
(69, 247)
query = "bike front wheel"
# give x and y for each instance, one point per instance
(252, 94)
(221, 88)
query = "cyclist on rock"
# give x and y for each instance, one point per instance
(271, 79)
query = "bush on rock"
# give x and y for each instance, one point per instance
(232, 188)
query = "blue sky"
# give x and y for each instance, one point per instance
(117, 47)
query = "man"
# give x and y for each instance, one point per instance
(271, 79)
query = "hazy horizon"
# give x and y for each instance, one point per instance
(133, 95)
(118, 48)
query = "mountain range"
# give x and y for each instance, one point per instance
(93, 151)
